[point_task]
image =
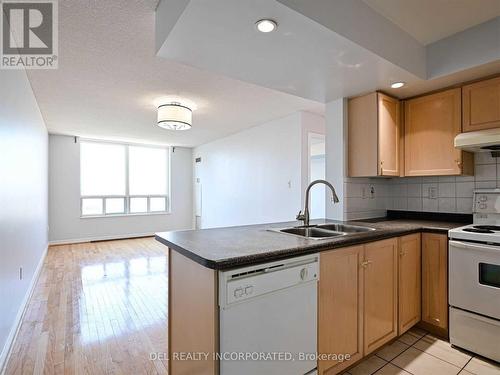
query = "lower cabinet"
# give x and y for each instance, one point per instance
(435, 283)
(380, 293)
(340, 307)
(410, 294)
(358, 308)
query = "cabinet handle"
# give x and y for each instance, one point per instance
(437, 320)
(381, 168)
(459, 163)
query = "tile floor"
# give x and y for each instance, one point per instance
(419, 353)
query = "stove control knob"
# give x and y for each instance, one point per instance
(483, 206)
(483, 198)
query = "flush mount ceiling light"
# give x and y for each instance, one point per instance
(266, 25)
(174, 116)
(397, 85)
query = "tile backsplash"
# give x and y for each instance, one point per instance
(432, 194)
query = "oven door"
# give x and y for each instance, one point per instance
(474, 277)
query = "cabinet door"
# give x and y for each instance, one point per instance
(409, 281)
(435, 279)
(362, 148)
(380, 293)
(431, 124)
(481, 105)
(340, 307)
(389, 133)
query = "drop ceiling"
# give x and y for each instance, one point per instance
(112, 70)
(302, 57)
(324, 50)
(431, 20)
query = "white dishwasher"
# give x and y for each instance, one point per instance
(268, 318)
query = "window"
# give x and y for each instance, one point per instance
(120, 179)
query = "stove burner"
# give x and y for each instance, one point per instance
(477, 230)
(487, 227)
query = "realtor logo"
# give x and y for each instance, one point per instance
(29, 34)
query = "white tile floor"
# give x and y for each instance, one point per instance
(419, 353)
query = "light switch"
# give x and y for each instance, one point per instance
(432, 192)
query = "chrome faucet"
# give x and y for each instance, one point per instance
(305, 216)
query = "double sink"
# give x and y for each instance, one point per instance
(323, 231)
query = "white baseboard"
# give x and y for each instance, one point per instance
(4, 355)
(100, 238)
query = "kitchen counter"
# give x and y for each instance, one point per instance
(232, 247)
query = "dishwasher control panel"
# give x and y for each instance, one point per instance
(240, 285)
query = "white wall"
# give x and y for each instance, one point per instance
(255, 176)
(23, 197)
(64, 199)
(336, 117)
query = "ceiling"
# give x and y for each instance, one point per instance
(324, 50)
(432, 20)
(109, 78)
(111, 75)
(302, 57)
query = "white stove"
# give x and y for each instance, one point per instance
(474, 278)
(486, 226)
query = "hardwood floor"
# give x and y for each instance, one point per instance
(98, 308)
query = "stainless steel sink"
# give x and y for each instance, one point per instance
(323, 231)
(345, 228)
(311, 232)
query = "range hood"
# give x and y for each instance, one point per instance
(479, 141)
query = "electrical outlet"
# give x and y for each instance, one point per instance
(372, 192)
(432, 192)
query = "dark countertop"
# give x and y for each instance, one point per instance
(232, 247)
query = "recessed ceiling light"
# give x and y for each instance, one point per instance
(397, 85)
(266, 25)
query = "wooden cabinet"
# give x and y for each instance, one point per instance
(340, 307)
(357, 301)
(410, 295)
(431, 124)
(192, 322)
(435, 281)
(374, 136)
(369, 294)
(380, 293)
(481, 105)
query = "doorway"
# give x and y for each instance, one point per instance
(317, 171)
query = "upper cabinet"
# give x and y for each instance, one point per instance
(481, 105)
(374, 134)
(431, 124)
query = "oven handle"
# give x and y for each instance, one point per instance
(468, 245)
